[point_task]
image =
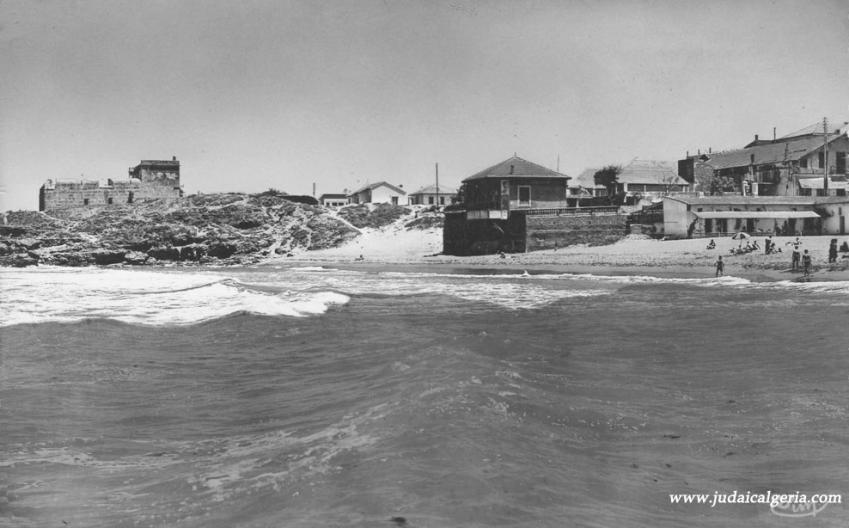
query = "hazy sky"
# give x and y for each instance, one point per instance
(252, 94)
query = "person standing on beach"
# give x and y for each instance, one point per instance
(794, 262)
(806, 263)
(832, 251)
(720, 266)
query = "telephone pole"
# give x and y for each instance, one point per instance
(825, 156)
(437, 185)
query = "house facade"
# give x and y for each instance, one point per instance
(793, 165)
(709, 216)
(513, 184)
(431, 195)
(380, 192)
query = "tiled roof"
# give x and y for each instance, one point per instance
(779, 151)
(373, 186)
(516, 167)
(431, 189)
(650, 172)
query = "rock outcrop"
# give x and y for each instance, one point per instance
(204, 229)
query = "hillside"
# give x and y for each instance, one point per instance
(204, 229)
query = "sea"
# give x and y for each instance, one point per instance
(310, 396)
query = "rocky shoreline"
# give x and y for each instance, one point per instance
(207, 229)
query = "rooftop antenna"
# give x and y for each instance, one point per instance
(558, 163)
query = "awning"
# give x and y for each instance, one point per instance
(756, 214)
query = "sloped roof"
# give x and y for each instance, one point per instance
(332, 195)
(516, 167)
(650, 172)
(773, 152)
(431, 189)
(586, 179)
(372, 186)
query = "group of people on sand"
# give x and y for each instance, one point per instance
(800, 260)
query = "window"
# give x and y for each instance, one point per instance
(441, 200)
(130, 197)
(803, 163)
(394, 200)
(841, 162)
(821, 159)
(430, 200)
(85, 201)
(524, 196)
(109, 201)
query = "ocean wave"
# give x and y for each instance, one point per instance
(148, 298)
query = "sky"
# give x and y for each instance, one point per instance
(253, 95)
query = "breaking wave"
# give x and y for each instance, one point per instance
(147, 298)
(185, 297)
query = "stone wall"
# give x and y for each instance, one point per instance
(68, 195)
(548, 232)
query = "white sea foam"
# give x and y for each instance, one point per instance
(146, 297)
(181, 296)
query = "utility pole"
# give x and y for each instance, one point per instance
(825, 156)
(437, 185)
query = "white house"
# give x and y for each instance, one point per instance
(380, 192)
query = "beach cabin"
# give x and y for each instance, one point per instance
(380, 192)
(431, 195)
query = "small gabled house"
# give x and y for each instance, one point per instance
(584, 185)
(514, 184)
(649, 179)
(380, 192)
(431, 195)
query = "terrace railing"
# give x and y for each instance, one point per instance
(570, 211)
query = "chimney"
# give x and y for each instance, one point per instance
(756, 137)
(773, 133)
(710, 150)
(173, 158)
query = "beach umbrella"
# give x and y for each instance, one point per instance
(740, 236)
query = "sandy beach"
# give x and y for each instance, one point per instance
(634, 254)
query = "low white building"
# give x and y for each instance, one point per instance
(380, 192)
(430, 195)
(687, 216)
(333, 200)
